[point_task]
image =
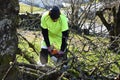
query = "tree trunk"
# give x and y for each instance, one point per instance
(113, 28)
(9, 10)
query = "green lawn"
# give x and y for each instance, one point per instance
(27, 8)
(92, 55)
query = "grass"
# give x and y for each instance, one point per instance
(23, 45)
(33, 37)
(98, 58)
(27, 8)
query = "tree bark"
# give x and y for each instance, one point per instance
(113, 28)
(9, 10)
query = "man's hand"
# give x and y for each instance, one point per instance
(61, 53)
(49, 49)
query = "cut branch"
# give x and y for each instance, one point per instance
(30, 44)
(102, 18)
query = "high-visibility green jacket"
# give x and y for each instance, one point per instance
(55, 29)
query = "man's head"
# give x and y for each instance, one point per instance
(54, 13)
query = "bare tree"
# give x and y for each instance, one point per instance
(112, 25)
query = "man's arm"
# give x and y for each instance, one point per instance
(46, 38)
(64, 40)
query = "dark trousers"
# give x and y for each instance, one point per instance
(44, 56)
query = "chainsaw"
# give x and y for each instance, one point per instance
(55, 55)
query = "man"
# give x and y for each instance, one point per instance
(54, 27)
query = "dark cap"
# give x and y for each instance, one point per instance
(55, 12)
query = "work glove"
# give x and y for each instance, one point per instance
(49, 49)
(61, 53)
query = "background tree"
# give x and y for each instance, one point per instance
(112, 25)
